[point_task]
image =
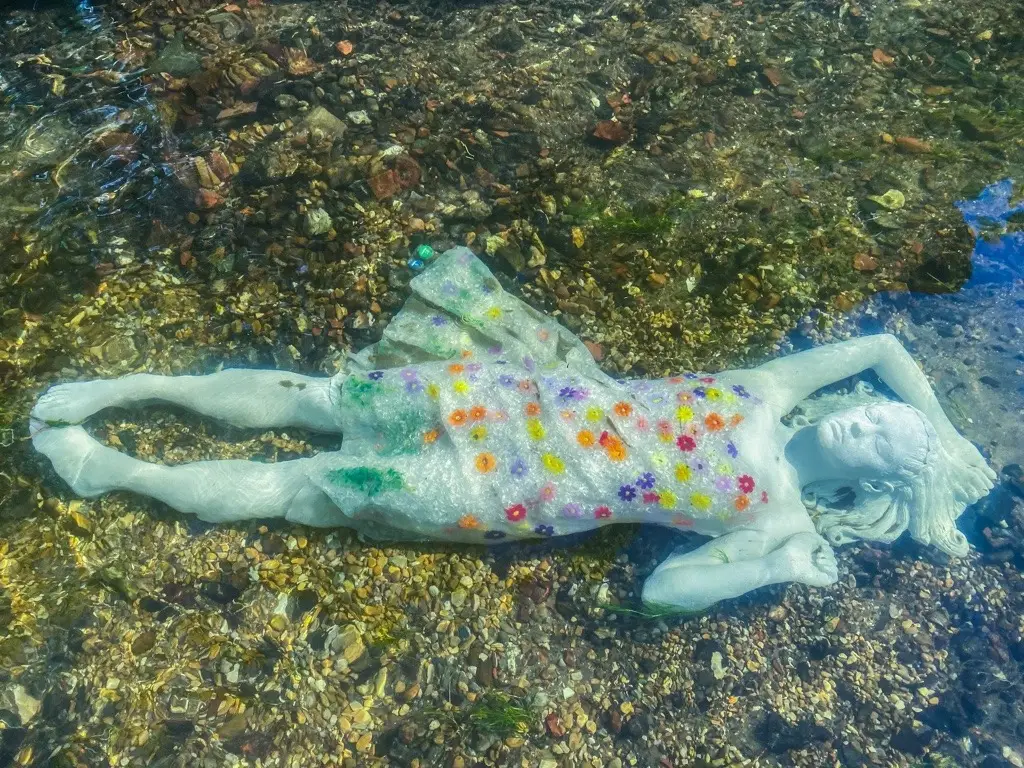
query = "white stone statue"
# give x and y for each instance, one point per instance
(478, 419)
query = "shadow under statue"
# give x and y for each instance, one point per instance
(478, 419)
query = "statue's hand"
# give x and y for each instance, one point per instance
(972, 473)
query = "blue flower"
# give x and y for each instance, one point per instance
(544, 530)
(439, 320)
(646, 481)
(494, 535)
(627, 493)
(518, 468)
(699, 392)
(690, 376)
(740, 390)
(507, 380)
(569, 394)
(413, 387)
(731, 450)
(376, 375)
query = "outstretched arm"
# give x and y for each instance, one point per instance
(795, 377)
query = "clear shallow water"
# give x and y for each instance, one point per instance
(143, 228)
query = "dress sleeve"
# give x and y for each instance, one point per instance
(459, 310)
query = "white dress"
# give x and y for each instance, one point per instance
(477, 418)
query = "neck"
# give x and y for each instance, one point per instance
(810, 462)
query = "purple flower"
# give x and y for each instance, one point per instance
(646, 481)
(408, 374)
(627, 493)
(494, 350)
(699, 392)
(573, 393)
(544, 530)
(413, 387)
(572, 510)
(507, 380)
(438, 320)
(448, 288)
(528, 363)
(724, 483)
(494, 535)
(376, 375)
(740, 390)
(518, 468)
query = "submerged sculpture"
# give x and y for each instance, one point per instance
(478, 419)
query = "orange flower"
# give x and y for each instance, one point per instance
(477, 412)
(469, 522)
(466, 354)
(568, 415)
(457, 418)
(525, 385)
(735, 420)
(456, 368)
(485, 462)
(430, 436)
(616, 450)
(533, 409)
(713, 422)
(741, 503)
(623, 409)
(585, 438)
(543, 334)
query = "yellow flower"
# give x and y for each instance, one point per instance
(701, 501)
(683, 473)
(552, 463)
(667, 499)
(594, 413)
(461, 387)
(666, 437)
(479, 432)
(684, 413)
(725, 468)
(659, 459)
(494, 313)
(713, 394)
(433, 390)
(535, 429)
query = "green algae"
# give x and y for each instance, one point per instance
(368, 480)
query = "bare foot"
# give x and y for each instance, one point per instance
(73, 403)
(83, 463)
(809, 559)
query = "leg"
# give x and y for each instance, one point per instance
(246, 398)
(737, 563)
(215, 491)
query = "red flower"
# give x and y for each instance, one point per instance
(651, 498)
(515, 513)
(602, 513)
(686, 443)
(764, 497)
(746, 483)
(604, 438)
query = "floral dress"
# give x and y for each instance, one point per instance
(477, 418)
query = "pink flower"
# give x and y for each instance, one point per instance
(602, 513)
(547, 493)
(746, 483)
(515, 513)
(686, 443)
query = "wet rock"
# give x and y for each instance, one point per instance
(175, 60)
(348, 642)
(17, 699)
(611, 132)
(778, 736)
(321, 119)
(318, 222)
(912, 741)
(508, 39)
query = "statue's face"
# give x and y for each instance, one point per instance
(871, 441)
